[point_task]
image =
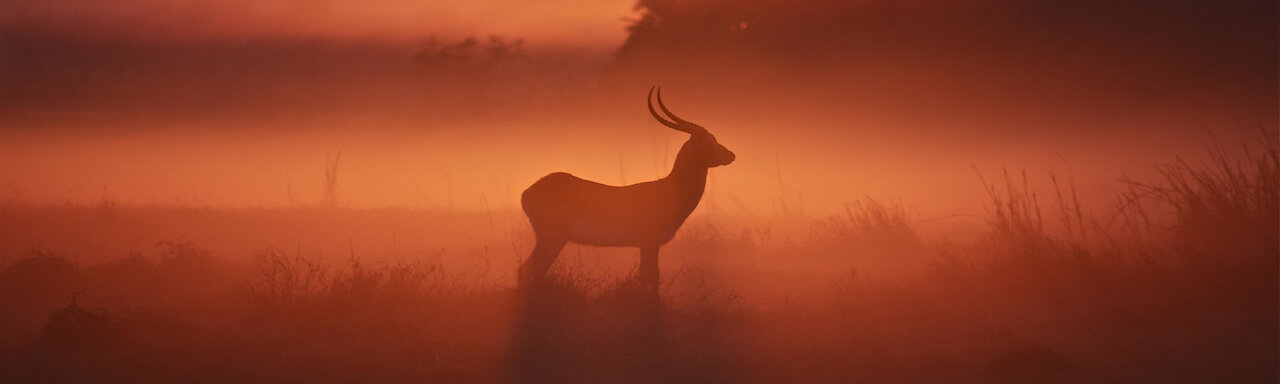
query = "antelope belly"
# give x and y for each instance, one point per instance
(594, 233)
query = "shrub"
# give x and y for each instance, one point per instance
(281, 282)
(40, 281)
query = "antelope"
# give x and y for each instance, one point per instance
(564, 208)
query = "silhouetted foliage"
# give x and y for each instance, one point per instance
(40, 280)
(284, 282)
(433, 55)
(73, 326)
(818, 34)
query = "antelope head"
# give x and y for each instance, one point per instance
(702, 149)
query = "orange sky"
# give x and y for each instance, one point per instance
(579, 22)
(246, 120)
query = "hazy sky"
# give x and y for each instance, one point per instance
(591, 22)
(221, 102)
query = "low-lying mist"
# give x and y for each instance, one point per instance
(1177, 286)
(922, 192)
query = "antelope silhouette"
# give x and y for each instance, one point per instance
(564, 208)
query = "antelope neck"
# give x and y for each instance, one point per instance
(688, 175)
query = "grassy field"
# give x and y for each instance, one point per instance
(1179, 282)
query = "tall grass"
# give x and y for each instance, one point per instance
(1025, 303)
(1228, 211)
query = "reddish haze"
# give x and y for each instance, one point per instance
(238, 104)
(926, 191)
(593, 23)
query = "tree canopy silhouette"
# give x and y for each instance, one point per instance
(1231, 31)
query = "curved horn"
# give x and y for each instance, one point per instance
(669, 124)
(687, 125)
(668, 111)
